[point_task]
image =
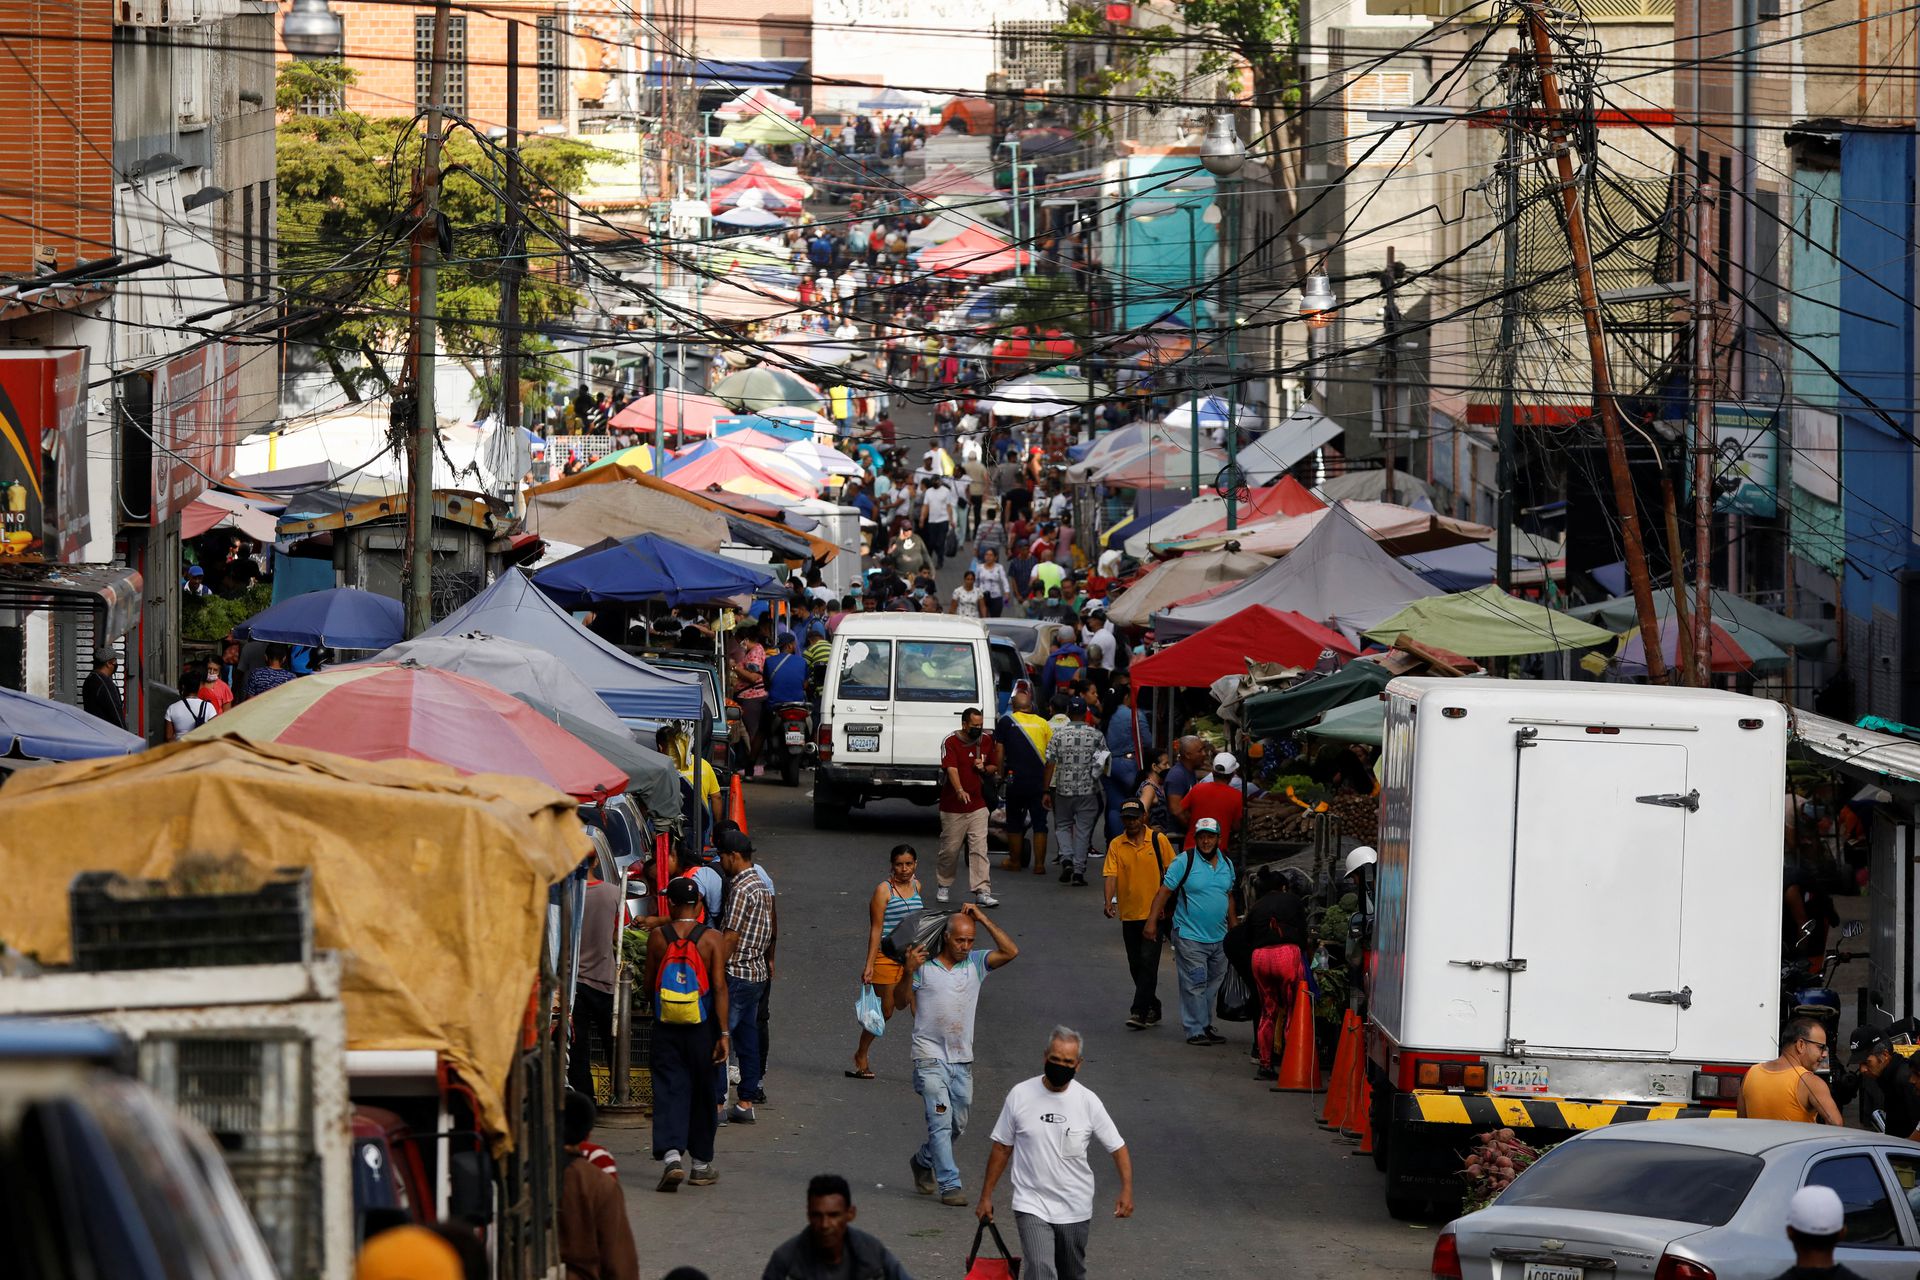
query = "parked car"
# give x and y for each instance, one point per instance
(1690, 1200)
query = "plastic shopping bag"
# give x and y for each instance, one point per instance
(867, 1009)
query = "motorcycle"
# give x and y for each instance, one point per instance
(1807, 992)
(790, 739)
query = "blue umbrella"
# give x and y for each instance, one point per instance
(753, 421)
(651, 566)
(46, 730)
(340, 617)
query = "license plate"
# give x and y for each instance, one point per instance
(795, 738)
(1512, 1079)
(1668, 1085)
(863, 742)
(1552, 1271)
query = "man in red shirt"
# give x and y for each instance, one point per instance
(969, 759)
(1218, 798)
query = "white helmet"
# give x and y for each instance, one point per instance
(1364, 856)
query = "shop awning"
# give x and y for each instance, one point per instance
(1258, 634)
(729, 73)
(1286, 709)
(113, 589)
(1488, 623)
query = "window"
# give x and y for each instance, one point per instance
(456, 97)
(246, 240)
(1375, 91)
(546, 53)
(1906, 1172)
(1637, 1179)
(267, 256)
(1869, 1217)
(937, 671)
(864, 669)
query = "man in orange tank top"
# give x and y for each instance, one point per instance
(1787, 1088)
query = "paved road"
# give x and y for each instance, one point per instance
(1229, 1176)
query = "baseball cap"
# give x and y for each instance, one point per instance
(1206, 824)
(1864, 1042)
(732, 842)
(1077, 707)
(682, 892)
(1225, 763)
(1815, 1211)
(1131, 808)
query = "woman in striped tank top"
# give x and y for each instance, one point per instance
(894, 899)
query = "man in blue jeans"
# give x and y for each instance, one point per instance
(747, 921)
(946, 992)
(1199, 884)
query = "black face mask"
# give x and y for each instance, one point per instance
(1058, 1074)
(971, 735)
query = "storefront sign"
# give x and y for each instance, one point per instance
(196, 423)
(1745, 462)
(43, 454)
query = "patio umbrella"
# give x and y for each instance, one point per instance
(811, 419)
(686, 412)
(651, 567)
(48, 730)
(1212, 412)
(762, 387)
(748, 217)
(339, 617)
(405, 711)
(762, 431)
(1172, 581)
(823, 458)
(512, 668)
(740, 470)
(1752, 652)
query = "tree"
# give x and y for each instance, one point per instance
(345, 218)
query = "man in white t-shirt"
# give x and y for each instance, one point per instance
(1045, 1128)
(1103, 648)
(936, 518)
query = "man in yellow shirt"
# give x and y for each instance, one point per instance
(672, 743)
(1137, 860)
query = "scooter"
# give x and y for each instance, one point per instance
(1808, 993)
(790, 739)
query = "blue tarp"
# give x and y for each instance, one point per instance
(735, 73)
(651, 567)
(46, 730)
(514, 609)
(1118, 536)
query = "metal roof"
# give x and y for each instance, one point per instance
(1879, 757)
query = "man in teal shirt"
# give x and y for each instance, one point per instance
(1199, 883)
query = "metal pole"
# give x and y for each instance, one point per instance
(1193, 343)
(1229, 290)
(620, 1052)
(1509, 356)
(1013, 145)
(512, 266)
(1391, 319)
(426, 240)
(659, 375)
(1702, 441)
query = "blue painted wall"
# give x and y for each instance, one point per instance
(1162, 210)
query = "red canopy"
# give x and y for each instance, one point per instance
(1284, 497)
(688, 412)
(975, 252)
(776, 198)
(1257, 633)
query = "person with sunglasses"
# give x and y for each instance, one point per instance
(1787, 1087)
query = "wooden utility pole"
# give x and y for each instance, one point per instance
(426, 301)
(1609, 409)
(1389, 434)
(1505, 470)
(513, 262)
(1702, 440)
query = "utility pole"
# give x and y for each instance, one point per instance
(512, 264)
(1609, 409)
(1389, 434)
(426, 264)
(1509, 322)
(1703, 316)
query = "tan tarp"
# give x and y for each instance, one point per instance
(431, 885)
(614, 473)
(584, 515)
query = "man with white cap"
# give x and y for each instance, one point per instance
(1198, 885)
(1816, 1222)
(1216, 797)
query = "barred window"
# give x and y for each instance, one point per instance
(456, 99)
(547, 63)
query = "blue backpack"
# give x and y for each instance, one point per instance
(682, 995)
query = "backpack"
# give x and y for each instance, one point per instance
(682, 994)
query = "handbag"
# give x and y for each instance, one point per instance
(1004, 1267)
(953, 544)
(867, 1011)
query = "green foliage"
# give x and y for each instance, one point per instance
(346, 191)
(1260, 34)
(208, 619)
(1049, 302)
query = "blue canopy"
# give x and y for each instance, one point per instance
(47, 730)
(339, 617)
(651, 567)
(1118, 535)
(511, 608)
(767, 426)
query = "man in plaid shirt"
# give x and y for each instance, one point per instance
(748, 923)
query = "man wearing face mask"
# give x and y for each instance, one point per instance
(969, 765)
(1044, 1130)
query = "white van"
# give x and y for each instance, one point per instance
(895, 687)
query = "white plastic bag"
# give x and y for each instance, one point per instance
(867, 1010)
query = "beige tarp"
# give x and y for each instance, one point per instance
(431, 885)
(584, 515)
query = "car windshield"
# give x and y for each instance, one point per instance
(1639, 1179)
(936, 671)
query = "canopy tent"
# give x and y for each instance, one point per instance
(947, 182)
(1727, 655)
(740, 470)
(513, 608)
(762, 387)
(652, 778)
(687, 412)
(652, 567)
(786, 544)
(775, 197)
(1107, 447)
(752, 160)
(1361, 722)
(739, 437)
(1258, 634)
(777, 177)
(945, 226)
(215, 510)
(730, 301)
(339, 617)
(589, 513)
(760, 100)
(1160, 463)
(1139, 521)
(41, 729)
(1285, 497)
(404, 711)
(1371, 486)
(975, 251)
(748, 218)
(512, 667)
(893, 100)
(1740, 616)
(1212, 414)
(1488, 623)
(1399, 530)
(436, 887)
(1475, 564)
(1337, 575)
(1171, 581)
(817, 423)
(968, 116)
(1283, 710)
(1273, 452)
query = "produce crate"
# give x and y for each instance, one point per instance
(639, 1074)
(119, 923)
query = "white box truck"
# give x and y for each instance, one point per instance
(1577, 913)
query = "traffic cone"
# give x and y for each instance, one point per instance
(1299, 1068)
(1340, 1089)
(737, 804)
(1361, 1116)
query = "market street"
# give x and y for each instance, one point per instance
(1230, 1177)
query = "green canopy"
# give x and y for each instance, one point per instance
(1735, 615)
(1488, 623)
(1281, 710)
(1364, 722)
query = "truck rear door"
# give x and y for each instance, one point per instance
(1600, 841)
(862, 708)
(934, 680)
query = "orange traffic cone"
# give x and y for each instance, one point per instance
(1299, 1068)
(737, 803)
(1360, 1118)
(1340, 1090)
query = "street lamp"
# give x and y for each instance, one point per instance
(1316, 308)
(1221, 151)
(312, 29)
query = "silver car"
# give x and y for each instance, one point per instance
(1691, 1200)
